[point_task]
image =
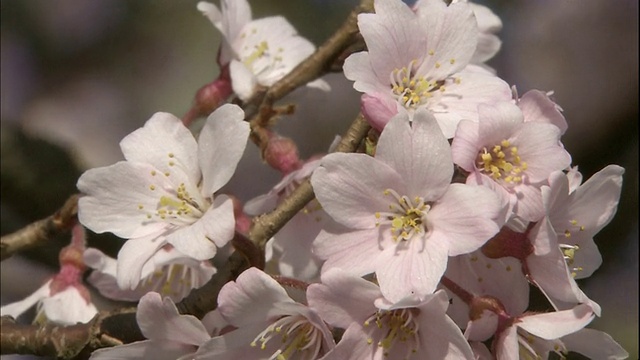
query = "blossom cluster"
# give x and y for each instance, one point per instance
(423, 246)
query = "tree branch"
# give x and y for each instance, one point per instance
(266, 225)
(40, 231)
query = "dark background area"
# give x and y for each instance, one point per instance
(76, 76)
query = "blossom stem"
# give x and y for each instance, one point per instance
(463, 294)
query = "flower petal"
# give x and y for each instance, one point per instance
(350, 188)
(557, 324)
(214, 229)
(159, 320)
(220, 146)
(162, 141)
(419, 152)
(132, 257)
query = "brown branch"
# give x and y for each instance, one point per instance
(319, 63)
(39, 232)
(69, 342)
(266, 225)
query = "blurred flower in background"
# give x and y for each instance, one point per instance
(77, 76)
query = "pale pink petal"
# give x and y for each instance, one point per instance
(352, 346)
(594, 344)
(17, 308)
(114, 196)
(342, 299)
(596, 201)
(419, 153)
(214, 229)
(440, 337)
(507, 347)
(529, 202)
(461, 98)
(465, 146)
(452, 33)
(378, 109)
(243, 81)
(353, 251)
(220, 146)
(537, 106)
(159, 320)
(132, 257)
(68, 307)
(163, 140)
(251, 298)
(498, 122)
(415, 270)
(391, 38)
(357, 67)
(465, 217)
(538, 146)
(482, 328)
(350, 188)
(554, 325)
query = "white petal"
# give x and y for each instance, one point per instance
(594, 344)
(164, 140)
(214, 229)
(220, 146)
(160, 350)
(350, 188)
(119, 198)
(251, 298)
(159, 320)
(554, 325)
(418, 152)
(352, 251)
(343, 298)
(465, 217)
(357, 67)
(415, 270)
(68, 307)
(133, 255)
(17, 308)
(242, 80)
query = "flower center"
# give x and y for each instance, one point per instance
(407, 218)
(256, 54)
(502, 163)
(411, 89)
(297, 335)
(394, 327)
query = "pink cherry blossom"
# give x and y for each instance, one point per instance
(422, 61)
(164, 192)
(378, 329)
(399, 215)
(258, 52)
(270, 325)
(519, 155)
(170, 335)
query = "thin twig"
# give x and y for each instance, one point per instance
(39, 232)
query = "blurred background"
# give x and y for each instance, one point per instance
(77, 76)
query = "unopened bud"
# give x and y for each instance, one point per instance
(282, 154)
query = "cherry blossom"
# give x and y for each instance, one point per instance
(517, 154)
(400, 217)
(270, 325)
(529, 335)
(378, 329)
(164, 192)
(258, 52)
(415, 61)
(170, 335)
